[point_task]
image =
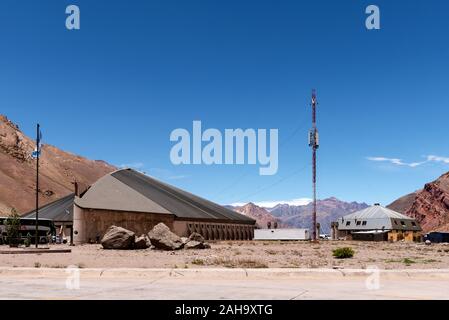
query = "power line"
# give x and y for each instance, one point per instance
(248, 171)
(273, 184)
(294, 132)
(235, 182)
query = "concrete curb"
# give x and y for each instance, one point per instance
(225, 274)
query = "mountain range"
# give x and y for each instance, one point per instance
(291, 216)
(429, 206)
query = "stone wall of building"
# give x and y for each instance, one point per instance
(215, 231)
(90, 224)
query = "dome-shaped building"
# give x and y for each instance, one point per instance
(377, 223)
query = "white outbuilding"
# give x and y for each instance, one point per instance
(281, 234)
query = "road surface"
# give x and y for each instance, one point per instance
(257, 284)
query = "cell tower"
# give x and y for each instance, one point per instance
(314, 144)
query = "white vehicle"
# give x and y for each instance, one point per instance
(325, 236)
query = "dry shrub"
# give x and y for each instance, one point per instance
(238, 263)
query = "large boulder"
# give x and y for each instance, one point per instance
(196, 241)
(142, 242)
(196, 237)
(162, 238)
(196, 245)
(118, 238)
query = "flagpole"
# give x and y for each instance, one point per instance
(37, 184)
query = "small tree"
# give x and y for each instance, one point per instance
(28, 240)
(12, 225)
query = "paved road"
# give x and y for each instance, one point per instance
(221, 284)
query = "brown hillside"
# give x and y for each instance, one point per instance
(261, 215)
(404, 203)
(58, 170)
(430, 206)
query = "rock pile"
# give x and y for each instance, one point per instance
(160, 238)
(142, 242)
(118, 238)
(196, 241)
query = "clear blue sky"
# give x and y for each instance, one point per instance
(136, 70)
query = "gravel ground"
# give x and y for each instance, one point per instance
(240, 254)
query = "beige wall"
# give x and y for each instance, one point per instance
(393, 236)
(407, 236)
(90, 223)
(217, 231)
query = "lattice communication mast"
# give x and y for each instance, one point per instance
(314, 144)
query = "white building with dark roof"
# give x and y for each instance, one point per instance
(377, 223)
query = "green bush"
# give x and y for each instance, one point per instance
(408, 261)
(12, 225)
(28, 240)
(343, 253)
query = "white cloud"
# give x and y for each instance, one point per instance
(399, 162)
(271, 204)
(133, 165)
(396, 161)
(438, 159)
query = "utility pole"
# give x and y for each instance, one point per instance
(37, 183)
(314, 144)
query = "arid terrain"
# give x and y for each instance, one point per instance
(245, 255)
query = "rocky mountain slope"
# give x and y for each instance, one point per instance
(58, 171)
(328, 210)
(261, 215)
(404, 203)
(430, 206)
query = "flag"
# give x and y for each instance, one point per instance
(39, 141)
(37, 150)
(35, 153)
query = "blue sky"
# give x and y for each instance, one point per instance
(136, 70)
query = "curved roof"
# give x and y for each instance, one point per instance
(377, 218)
(108, 193)
(60, 210)
(129, 190)
(377, 212)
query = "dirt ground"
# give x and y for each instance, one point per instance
(240, 254)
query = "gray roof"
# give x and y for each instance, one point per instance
(377, 212)
(129, 190)
(108, 193)
(377, 218)
(60, 210)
